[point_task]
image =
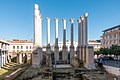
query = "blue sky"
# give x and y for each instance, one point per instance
(16, 17)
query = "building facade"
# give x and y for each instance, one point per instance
(4, 52)
(111, 36)
(68, 43)
(21, 50)
(96, 44)
(20, 46)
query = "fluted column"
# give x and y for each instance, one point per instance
(79, 39)
(48, 50)
(56, 32)
(85, 43)
(81, 31)
(37, 55)
(64, 54)
(37, 27)
(72, 31)
(48, 31)
(56, 52)
(64, 32)
(72, 40)
(85, 29)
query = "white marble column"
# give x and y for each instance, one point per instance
(56, 31)
(48, 31)
(56, 51)
(64, 48)
(85, 29)
(79, 39)
(81, 31)
(37, 27)
(20, 58)
(4, 54)
(64, 31)
(72, 40)
(48, 50)
(83, 47)
(85, 36)
(37, 55)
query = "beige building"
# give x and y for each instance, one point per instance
(18, 46)
(111, 36)
(4, 52)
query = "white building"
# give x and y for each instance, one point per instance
(18, 46)
(68, 43)
(95, 43)
(4, 50)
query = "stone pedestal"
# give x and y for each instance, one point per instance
(74, 62)
(79, 52)
(37, 57)
(56, 56)
(65, 54)
(56, 53)
(71, 53)
(89, 64)
(84, 53)
(48, 62)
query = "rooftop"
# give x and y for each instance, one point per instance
(21, 41)
(118, 26)
(4, 41)
(95, 41)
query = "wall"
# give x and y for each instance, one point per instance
(113, 70)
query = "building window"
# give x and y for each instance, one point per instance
(115, 35)
(107, 37)
(21, 47)
(119, 41)
(13, 47)
(119, 34)
(110, 36)
(26, 47)
(30, 47)
(17, 47)
(30, 51)
(17, 51)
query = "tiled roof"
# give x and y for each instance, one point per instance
(21, 41)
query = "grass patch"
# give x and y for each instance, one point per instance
(9, 68)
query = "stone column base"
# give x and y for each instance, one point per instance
(71, 53)
(89, 64)
(56, 55)
(37, 58)
(49, 62)
(64, 54)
